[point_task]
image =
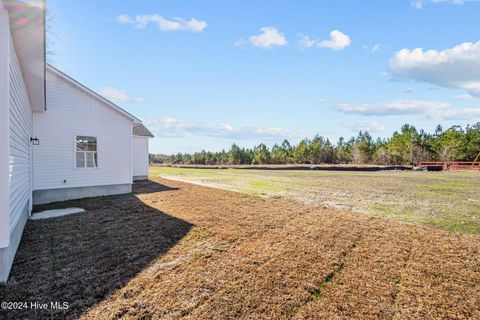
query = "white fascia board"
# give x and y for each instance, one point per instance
(29, 41)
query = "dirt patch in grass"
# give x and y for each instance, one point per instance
(176, 250)
(444, 200)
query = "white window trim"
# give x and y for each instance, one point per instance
(75, 152)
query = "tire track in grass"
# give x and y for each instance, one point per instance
(442, 279)
(367, 284)
(404, 268)
(274, 255)
(231, 224)
(297, 258)
(327, 280)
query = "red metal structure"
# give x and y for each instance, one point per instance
(453, 165)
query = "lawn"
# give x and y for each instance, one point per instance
(445, 200)
(174, 250)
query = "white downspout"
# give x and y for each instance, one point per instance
(32, 165)
(131, 153)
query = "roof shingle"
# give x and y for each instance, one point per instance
(141, 130)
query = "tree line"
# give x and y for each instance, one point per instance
(408, 146)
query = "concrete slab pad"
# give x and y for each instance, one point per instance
(55, 213)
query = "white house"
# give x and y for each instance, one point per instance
(85, 144)
(59, 140)
(140, 150)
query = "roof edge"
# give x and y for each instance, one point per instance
(139, 130)
(29, 41)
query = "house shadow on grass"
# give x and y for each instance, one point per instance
(149, 186)
(81, 259)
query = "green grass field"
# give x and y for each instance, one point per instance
(445, 200)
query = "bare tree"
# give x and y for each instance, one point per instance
(50, 35)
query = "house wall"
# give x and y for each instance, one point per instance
(71, 112)
(20, 148)
(16, 190)
(140, 157)
(4, 130)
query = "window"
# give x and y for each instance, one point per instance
(86, 152)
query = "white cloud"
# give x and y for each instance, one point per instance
(169, 127)
(408, 90)
(307, 41)
(338, 41)
(465, 96)
(437, 110)
(456, 114)
(117, 95)
(418, 4)
(240, 42)
(176, 24)
(370, 125)
(397, 107)
(374, 48)
(457, 67)
(124, 18)
(269, 37)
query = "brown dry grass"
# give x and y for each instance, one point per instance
(445, 200)
(192, 252)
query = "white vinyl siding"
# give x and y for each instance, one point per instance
(19, 141)
(71, 112)
(140, 156)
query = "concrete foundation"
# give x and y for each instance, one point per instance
(8, 254)
(55, 195)
(137, 178)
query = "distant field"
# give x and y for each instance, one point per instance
(445, 200)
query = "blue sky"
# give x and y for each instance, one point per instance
(204, 74)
